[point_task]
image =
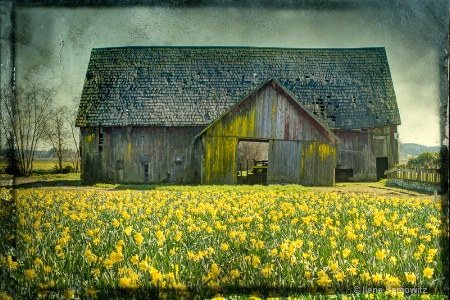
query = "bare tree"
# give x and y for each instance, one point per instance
(58, 132)
(249, 151)
(74, 131)
(24, 118)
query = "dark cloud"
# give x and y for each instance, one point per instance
(54, 42)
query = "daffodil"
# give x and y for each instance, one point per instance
(380, 254)
(30, 274)
(235, 274)
(428, 272)
(128, 230)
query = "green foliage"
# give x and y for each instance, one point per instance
(426, 158)
(66, 169)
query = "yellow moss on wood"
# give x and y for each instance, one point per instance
(90, 137)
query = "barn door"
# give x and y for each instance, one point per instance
(284, 162)
(382, 165)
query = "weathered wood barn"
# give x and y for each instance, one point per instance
(177, 114)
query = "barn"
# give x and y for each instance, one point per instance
(177, 114)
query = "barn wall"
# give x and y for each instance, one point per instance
(300, 149)
(270, 113)
(219, 163)
(169, 154)
(359, 150)
(91, 161)
(318, 164)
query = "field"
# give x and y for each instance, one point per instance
(213, 242)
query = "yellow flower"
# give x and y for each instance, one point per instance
(128, 230)
(259, 245)
(428, 272)
(360, 247)
(432, 252)
(5, 296)
(235, 274)
(255, 260)
(410, 277)
(138, 238)
(323, 281)
(345, 253)
(393, 260)
(273, 252)
(355, 262)
(224, 247)
(38, 261)
(91, 292)
(339, 276)
(30, 274)
(352, 270)
(69, 294)
(178, 236)
(333, 266)
(267, 271)
(143, 265)
(307, 274)
(377, 278)
(124, 282)
(10, 263)
(116, 257)
(108, 263)
(96, 272)
(215, 270)
(135, 259)
(365, 276)
(115, 223)
(47, 269)
(380, 254)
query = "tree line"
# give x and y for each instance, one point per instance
(30, 117)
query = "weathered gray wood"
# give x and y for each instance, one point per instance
(169, 153)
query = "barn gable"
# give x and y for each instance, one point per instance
(187, 86)
(301, 149)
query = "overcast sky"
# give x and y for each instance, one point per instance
(54, 42)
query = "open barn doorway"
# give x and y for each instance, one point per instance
(252, 161)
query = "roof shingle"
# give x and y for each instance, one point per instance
(183, 86)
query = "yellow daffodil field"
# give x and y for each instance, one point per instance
(221, 242)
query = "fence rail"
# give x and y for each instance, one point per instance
(430, 174)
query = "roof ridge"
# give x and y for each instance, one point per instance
(238, 47)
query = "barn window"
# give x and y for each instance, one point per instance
(100, 141)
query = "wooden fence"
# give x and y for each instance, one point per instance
(430, 174)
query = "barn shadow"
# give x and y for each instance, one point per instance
(46, 183)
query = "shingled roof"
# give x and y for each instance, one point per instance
(185, 86)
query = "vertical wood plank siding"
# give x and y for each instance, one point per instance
(301, 150)
(359, 150)
(171, 153)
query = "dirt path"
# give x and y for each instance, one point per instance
(375, 188)
(378, 188)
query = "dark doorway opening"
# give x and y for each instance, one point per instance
(252, 162)
(382, 165)
(146, 172)
(344, 175)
